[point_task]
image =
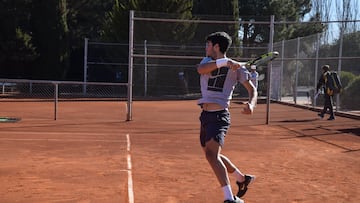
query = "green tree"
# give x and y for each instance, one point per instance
(85, 20)
(44, 39)
(117, 21)
(16, 49)
(115, 24)
(350, 98)
(86, 17)
(283, 10)
(346, 78)
(351, 48)
(116, 29)
(50, 36)
(220, 10)
(300, 29)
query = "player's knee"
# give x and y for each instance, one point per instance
(210, 155)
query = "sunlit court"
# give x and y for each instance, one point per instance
(181, 101)
(92, 154)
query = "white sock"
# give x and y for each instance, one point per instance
(228, 195)
(238, 175)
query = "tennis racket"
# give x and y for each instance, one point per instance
(316, 95)
(261, 77)
(265, 58)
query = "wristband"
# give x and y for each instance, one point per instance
(221, 62)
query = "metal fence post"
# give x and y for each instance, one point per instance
(297, 70)
(145, 68)
(86, 44)
(316, 66)
(339, 65)
(56, 98)
(282, 67)
(131, 60)
(271, 47)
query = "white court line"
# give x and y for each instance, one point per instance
(62, 139)
(129, 167)
(58, 140)
(52, 133)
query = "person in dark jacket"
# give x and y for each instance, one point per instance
(328, 96)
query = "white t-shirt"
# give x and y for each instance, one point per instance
(218, 86)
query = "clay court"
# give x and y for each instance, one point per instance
(91, 154)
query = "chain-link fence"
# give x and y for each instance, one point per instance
(62, 90)
(58, 91)
(166, 50)
(300, 67)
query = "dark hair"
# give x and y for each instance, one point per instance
(222, 39)
(326, 67)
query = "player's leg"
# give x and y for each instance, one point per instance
(212, 151)
(231, 168)
(331, 110)
(323, 111)
(326, 103)
(242, 180)
(212, 134)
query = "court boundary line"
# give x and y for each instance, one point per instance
(5, 137)
(59, 140)
(129, 169)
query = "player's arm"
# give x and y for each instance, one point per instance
(213, 65)
(250, 105)
(207, 67)
(320, 83)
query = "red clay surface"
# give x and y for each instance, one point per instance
(82, 156)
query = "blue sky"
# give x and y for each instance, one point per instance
(339, 3)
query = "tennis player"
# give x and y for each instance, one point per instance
(254, 76)
(218, 78)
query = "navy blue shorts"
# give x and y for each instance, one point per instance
(214, 125)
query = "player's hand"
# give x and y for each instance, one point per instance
(248, 109)
(233, 65)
